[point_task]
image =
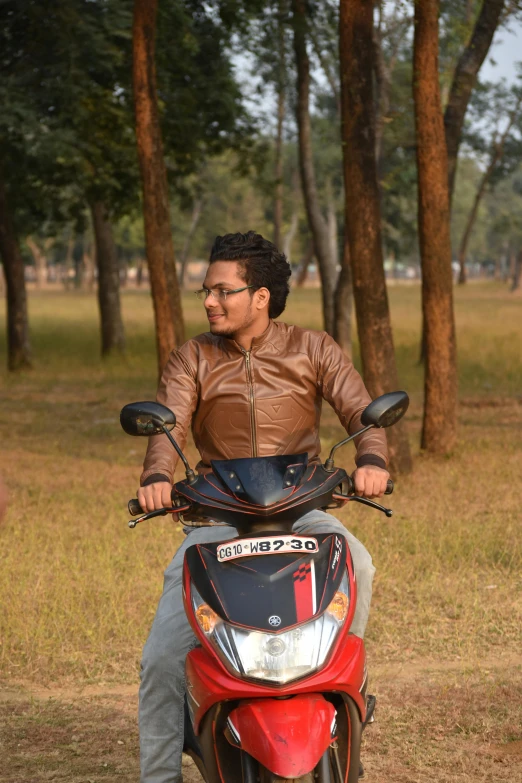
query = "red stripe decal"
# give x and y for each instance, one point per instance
(303, 587)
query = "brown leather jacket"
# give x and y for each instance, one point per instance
(259, 402)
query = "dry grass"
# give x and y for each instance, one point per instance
(456, 727)
(79, 589)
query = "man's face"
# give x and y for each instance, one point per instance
(228, 316)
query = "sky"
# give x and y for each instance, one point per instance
(506, 50)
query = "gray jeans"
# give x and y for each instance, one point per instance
(171, 638)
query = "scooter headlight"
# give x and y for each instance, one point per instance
(275, 658)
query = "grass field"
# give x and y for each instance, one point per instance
(79, 589)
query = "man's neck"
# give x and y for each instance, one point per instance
(245, 337)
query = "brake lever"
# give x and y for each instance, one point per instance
(160, 512)
(365, 502)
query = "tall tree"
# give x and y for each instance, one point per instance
(170, 330)
(18, 346)
(363, 217)
(440, 382)
(316, 220)
(464, 80)
(281, 96)
(112, 333)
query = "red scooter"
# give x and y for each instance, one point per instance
(276, 688)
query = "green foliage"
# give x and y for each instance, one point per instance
(67, 131)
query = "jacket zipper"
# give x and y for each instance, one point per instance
(252, 408)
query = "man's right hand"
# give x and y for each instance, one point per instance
(155, 496)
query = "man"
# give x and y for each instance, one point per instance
(249, 387)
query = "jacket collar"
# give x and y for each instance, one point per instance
(257, 342)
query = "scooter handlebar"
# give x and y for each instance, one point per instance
(387, 491)
(134, 507)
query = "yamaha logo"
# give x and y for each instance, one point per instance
(274, 620)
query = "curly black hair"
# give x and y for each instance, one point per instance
(262, 265)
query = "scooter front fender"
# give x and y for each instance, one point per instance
(287, 736)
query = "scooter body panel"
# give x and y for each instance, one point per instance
(287, 736)
(250, 592)
(209, 682)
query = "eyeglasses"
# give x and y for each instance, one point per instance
(219, 293)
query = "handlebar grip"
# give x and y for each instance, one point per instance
(134, 507)
(389, 487)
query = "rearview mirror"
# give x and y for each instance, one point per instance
(146, 418)
(386, 410)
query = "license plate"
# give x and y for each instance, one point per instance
(267, 545)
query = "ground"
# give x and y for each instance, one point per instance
(79, 589)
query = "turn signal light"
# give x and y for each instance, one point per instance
(207, 618)
(338, 606)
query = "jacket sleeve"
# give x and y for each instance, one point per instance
(342, 386)
(178, 391)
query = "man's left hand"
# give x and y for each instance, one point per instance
(370, 481)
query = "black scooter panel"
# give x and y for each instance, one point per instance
(270, 592)
(210, 498)
(261, 481)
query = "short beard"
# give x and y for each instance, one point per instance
(231, 333)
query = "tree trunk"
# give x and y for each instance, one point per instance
(465, 78)
(139, 272)
(384, 70)
(79, 262)
(362, 213)
(290, 236)
(496, 156)
(278, 173)
(294, 222)
(515, 280)
(440, 380)
(343, 303)
(170, 330)
(40, 261)
(111, 324)
(316, 221)
(326, 69)
(89, 267)
(197, 208)
(302, 271)
(18, 346)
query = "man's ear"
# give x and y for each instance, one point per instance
(262, 298)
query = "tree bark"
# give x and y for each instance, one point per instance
(343, 303)
(290, 235)
(170, 330)
(18, 345)
(440, 381)
(397, 28)
(40, 261)
(197, 208)
(316, 221)
(326, 69)
(302, 270)
(278, 172)
(496, 156)
(515, 280)
(362, 213)
(465, 78)
(111, 324)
